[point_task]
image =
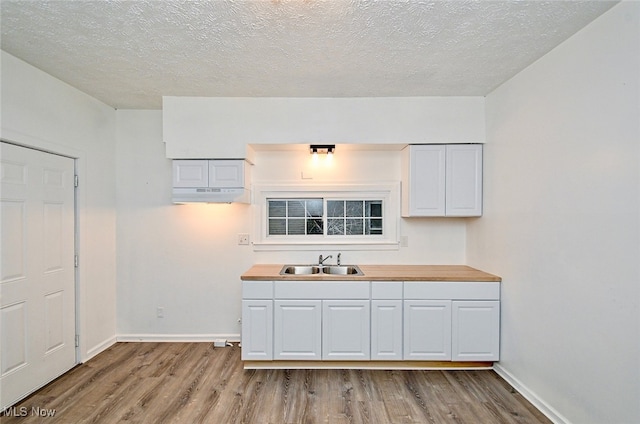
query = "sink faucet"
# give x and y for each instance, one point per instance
(321, 261)
(338, 259)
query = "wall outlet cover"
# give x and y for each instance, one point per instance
(219, 343)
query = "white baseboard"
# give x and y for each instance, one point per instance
(176, 337)
(542, 406)
(100, 347)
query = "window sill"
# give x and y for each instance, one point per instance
(347, 245)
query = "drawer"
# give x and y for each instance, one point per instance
(386, 289)
(257, 289)
(451, 290)
(321, 290)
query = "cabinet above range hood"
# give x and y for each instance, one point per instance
(211, 181)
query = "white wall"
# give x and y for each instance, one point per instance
(185, 258)
(42, 112)
(562, 222)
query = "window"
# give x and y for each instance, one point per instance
(295, 217)
(356, 216)
(324, 217)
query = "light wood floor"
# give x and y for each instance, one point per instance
(195, 383)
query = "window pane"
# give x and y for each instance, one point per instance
(335, 227)
(277, 208)
(314, 207)
(373, 208)
(354, 227)
(296, 208)
(373, 226)
(354, 208)
(335, 208)
(307, 216)
(314, 226)
(277, 227)
(296, 227)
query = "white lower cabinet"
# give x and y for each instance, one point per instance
(360, 320)
(427, 330)
(316, 329)
(476, 330)
(458, 321)
(386, 330)
(386, 320)
(345, 330)
(257, 321)
(297, 329)
(257, 329)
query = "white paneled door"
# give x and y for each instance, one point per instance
(37, 275)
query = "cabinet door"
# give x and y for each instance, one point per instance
(427, 330)
(345, 330)
(297, 329)
(226, 173)
(464, 180)
(190, 173)
(386, 329)
(257, 330)
(426, 185)
(476, 330)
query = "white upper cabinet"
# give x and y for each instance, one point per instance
(217, 173)
(190, 173)
(464, 180)
(442, 180)
(423, 184)
(227, 173)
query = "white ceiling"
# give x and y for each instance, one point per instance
(130, 53)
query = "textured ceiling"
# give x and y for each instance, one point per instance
(130, 53)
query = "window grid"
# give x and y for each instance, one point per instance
(295, 216)
(324, 217)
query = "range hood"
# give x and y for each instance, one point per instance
(210, 181)
(210, 195)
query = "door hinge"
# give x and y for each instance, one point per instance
(77, 340)
(75, 181)
(75, 261)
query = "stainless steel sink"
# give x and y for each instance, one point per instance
(300, 270)
(342, 270)
(319, 270)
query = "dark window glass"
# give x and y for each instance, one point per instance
(308, 217)
(277, 208)
(335, 208)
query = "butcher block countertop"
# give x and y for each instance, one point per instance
(271, 272)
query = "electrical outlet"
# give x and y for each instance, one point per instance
(404, 241)
(243, 238)
(160, 312)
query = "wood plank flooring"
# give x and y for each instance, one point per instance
(195, 383)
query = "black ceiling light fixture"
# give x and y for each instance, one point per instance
(325, 149)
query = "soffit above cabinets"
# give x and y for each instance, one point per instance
(224, 128)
